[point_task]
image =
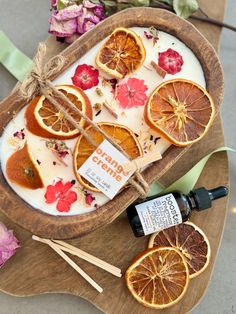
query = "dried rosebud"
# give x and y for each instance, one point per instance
(97, 106)
(72, 20)
(8, 244)
(92, 14)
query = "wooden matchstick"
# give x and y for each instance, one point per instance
(110, 109)
(88, 257)
(69, 261)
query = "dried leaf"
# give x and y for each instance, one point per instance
(185, 8)
(114, 6)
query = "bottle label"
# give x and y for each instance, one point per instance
(160, 213)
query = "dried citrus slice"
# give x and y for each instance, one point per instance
(190, 240)
(180, 110)
(121, 54)
(158, 278)
(22, 169)
(45, 120)
(120, 133)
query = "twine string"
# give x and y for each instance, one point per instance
(144, 189)
(38, 82)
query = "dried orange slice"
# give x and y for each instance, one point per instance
(190, 240)
(181, 110)
(45, 120)
(120, 133)
(22, 169)
(121, 54)
(158, 278)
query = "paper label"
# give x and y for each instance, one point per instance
(159, 213)
(104, 169)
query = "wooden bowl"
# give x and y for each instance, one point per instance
(72, 226)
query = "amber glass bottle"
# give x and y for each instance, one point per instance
(161, 212)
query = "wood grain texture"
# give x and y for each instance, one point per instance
(36, 269)
(67, 227)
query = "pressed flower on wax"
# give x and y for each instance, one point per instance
(111, 89)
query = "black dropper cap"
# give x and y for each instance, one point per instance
(203, 198)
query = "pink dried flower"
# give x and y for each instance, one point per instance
(85, 77)
(152, 34)
(148, 36)
(58, 147)
(53, 3)
(8, 244)
(61, 192)
(89, 198)
(63, 154)
(62, 28)
(75, 19)
(171, 61)
(131, 93)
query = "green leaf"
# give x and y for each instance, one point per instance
(109, 6)
(170, 2)
(112, 7)
(185, 8)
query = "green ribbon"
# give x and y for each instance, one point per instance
(16, 62)
(19, 65)
(187, 182)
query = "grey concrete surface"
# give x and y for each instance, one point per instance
(25, 22)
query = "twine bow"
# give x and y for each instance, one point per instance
(38, 83)
(41, 73)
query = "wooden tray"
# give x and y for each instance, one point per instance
(35, 269)
(67, 227)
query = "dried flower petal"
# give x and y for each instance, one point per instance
(148, 36)
(20, 134)
(58, 148)
(152, 34)
(72, 19)
(171, 61)
(69, 13)
(111, 82)
(62, 28)
(8, 244)
(85, 77)
(62, 193)
(89, 198)
(131, 93)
